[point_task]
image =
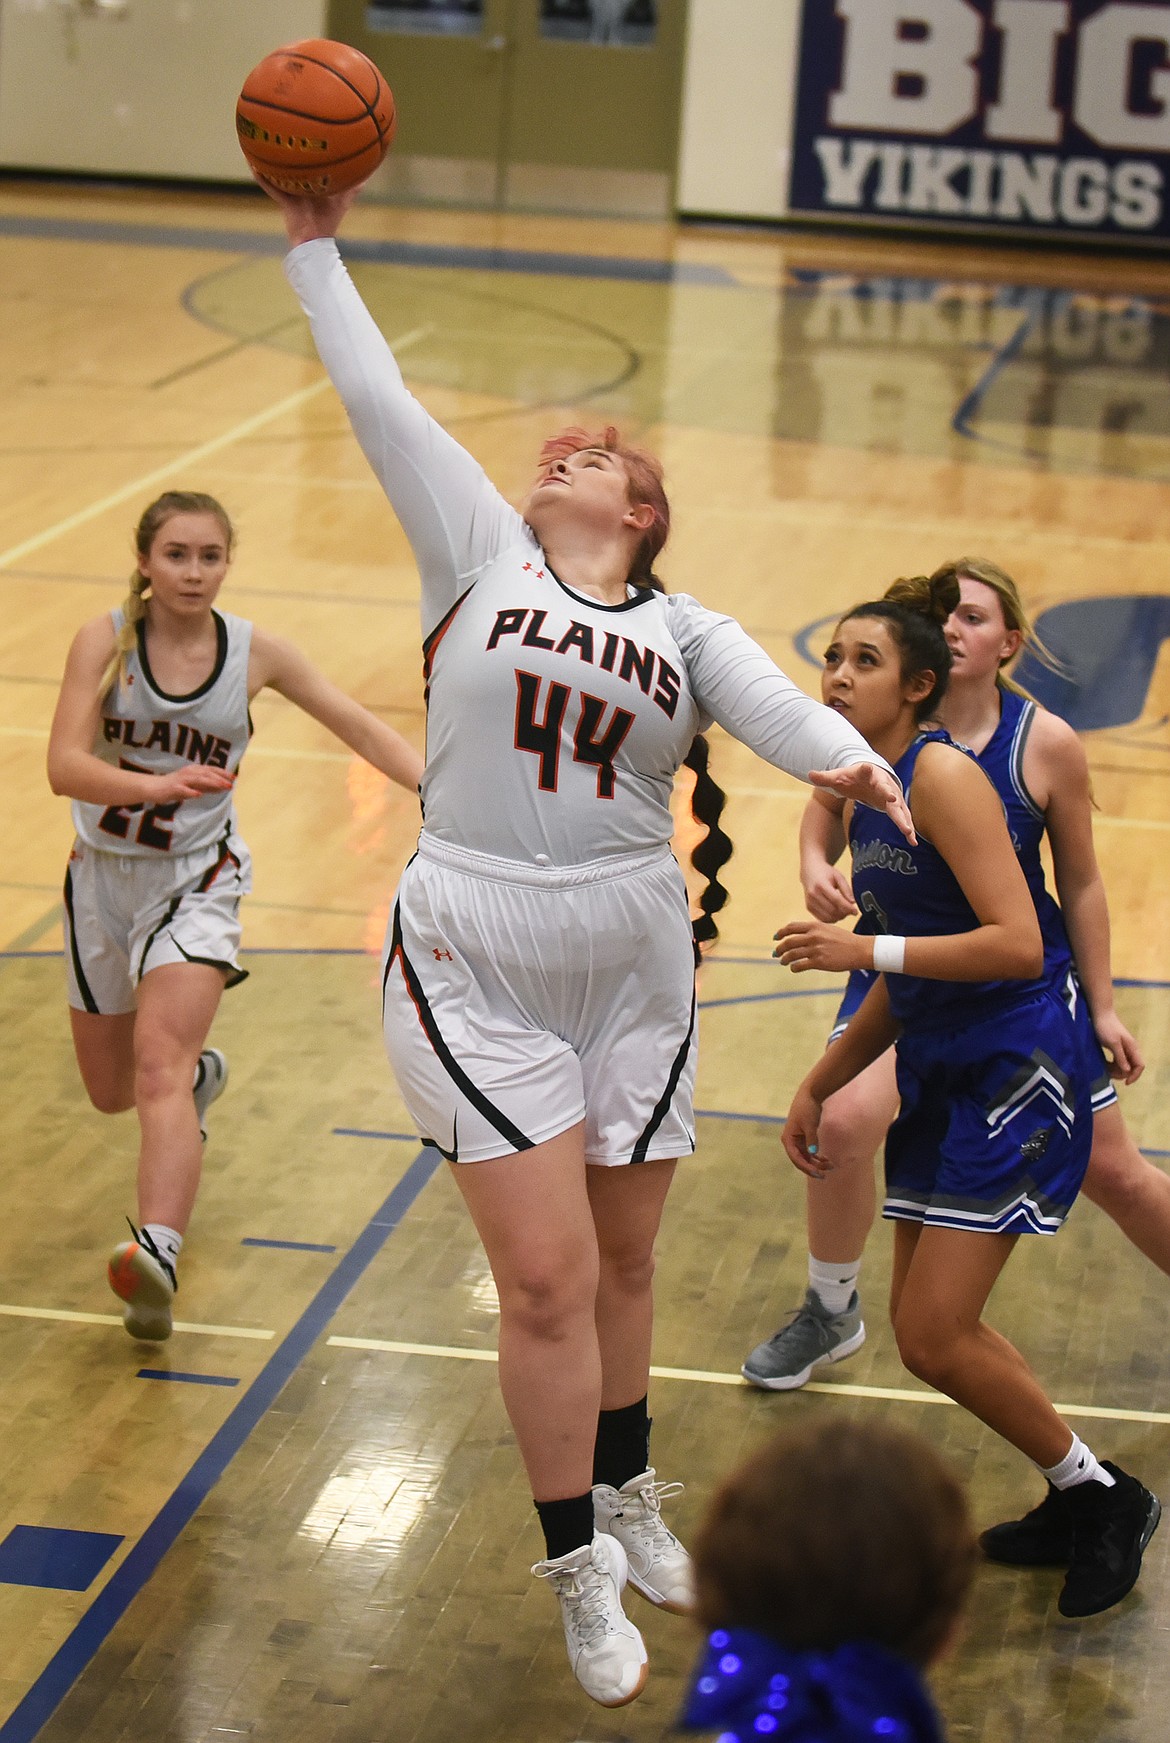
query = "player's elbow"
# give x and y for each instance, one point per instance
(57, 776)
(1025, 954)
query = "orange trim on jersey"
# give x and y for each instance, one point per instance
(431, 644)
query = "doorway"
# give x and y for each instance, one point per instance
(528, 105)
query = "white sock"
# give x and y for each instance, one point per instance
(1077, 1466)
(168, 1241)
(834, 1284)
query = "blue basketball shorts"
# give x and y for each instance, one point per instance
(1093, 1061)
(996, 1122)
(856, 987)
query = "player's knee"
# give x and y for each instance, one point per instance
(924, 1351)
(845, 1138)
(111, 1095)
(161, 1071)
(628, 1269)
(542, 1299)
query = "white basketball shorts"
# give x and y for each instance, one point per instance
(125, 914)
(519, 1000)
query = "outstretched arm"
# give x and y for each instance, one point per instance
(73, 768)
(282, 667)
(455, 518)
(735, 682)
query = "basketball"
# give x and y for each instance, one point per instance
(315, 117)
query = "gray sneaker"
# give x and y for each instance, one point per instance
(812, 1336)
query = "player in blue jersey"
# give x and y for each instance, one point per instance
(994, 1130)
(1039, 768)
(151, 723)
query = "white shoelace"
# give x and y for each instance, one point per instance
(651, 1529)
(585, 1589)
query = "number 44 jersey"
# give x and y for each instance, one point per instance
(142, 727)
(555, 724)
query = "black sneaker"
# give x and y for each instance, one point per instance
(1042, 1538)
(1111, 1528)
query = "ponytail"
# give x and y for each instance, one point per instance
(714, 850)
(133, 613)
(154, 517)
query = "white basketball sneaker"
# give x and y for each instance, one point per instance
(659, 1567)
(606, 1651)
(145, 1282)
(210, 1085)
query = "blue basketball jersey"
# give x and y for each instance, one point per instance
(1003, 759)
(912, 892)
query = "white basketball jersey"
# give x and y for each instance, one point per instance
(142, 727)
(555, 723)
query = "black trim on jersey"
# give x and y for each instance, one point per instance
(221, 648)
(443, 1053)
(641, 594)
(638, 1153)
(75, 954)
(172, 910)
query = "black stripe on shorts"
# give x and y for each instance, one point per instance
(638, 1154)
(90, 1002)
(443, 1053)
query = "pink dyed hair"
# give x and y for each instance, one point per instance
(644, 471)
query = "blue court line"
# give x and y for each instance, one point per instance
(358, 1132)
(756, 1119)
(191, 1379)
(111, 1603)
(290, 1246)
(272, 243)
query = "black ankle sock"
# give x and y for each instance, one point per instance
(622, 1447)
(567, 1525)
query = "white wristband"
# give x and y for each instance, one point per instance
(889, 953)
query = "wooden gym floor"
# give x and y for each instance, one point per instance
(303, 1518)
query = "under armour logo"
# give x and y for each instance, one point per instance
(539, 572)
(443, 955)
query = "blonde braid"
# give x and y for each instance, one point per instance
(133, 612)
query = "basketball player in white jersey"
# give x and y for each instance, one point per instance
(539, 975)
(150, 727)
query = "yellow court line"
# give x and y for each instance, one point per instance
(76, 1318)
(891, 1394)
(393, 1348)
(191, 458)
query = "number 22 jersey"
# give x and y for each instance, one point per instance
(141, 726)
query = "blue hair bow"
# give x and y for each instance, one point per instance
(750, 1689)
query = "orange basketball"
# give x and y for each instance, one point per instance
(315, 117)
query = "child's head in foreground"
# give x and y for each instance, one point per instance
(832, 1565)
